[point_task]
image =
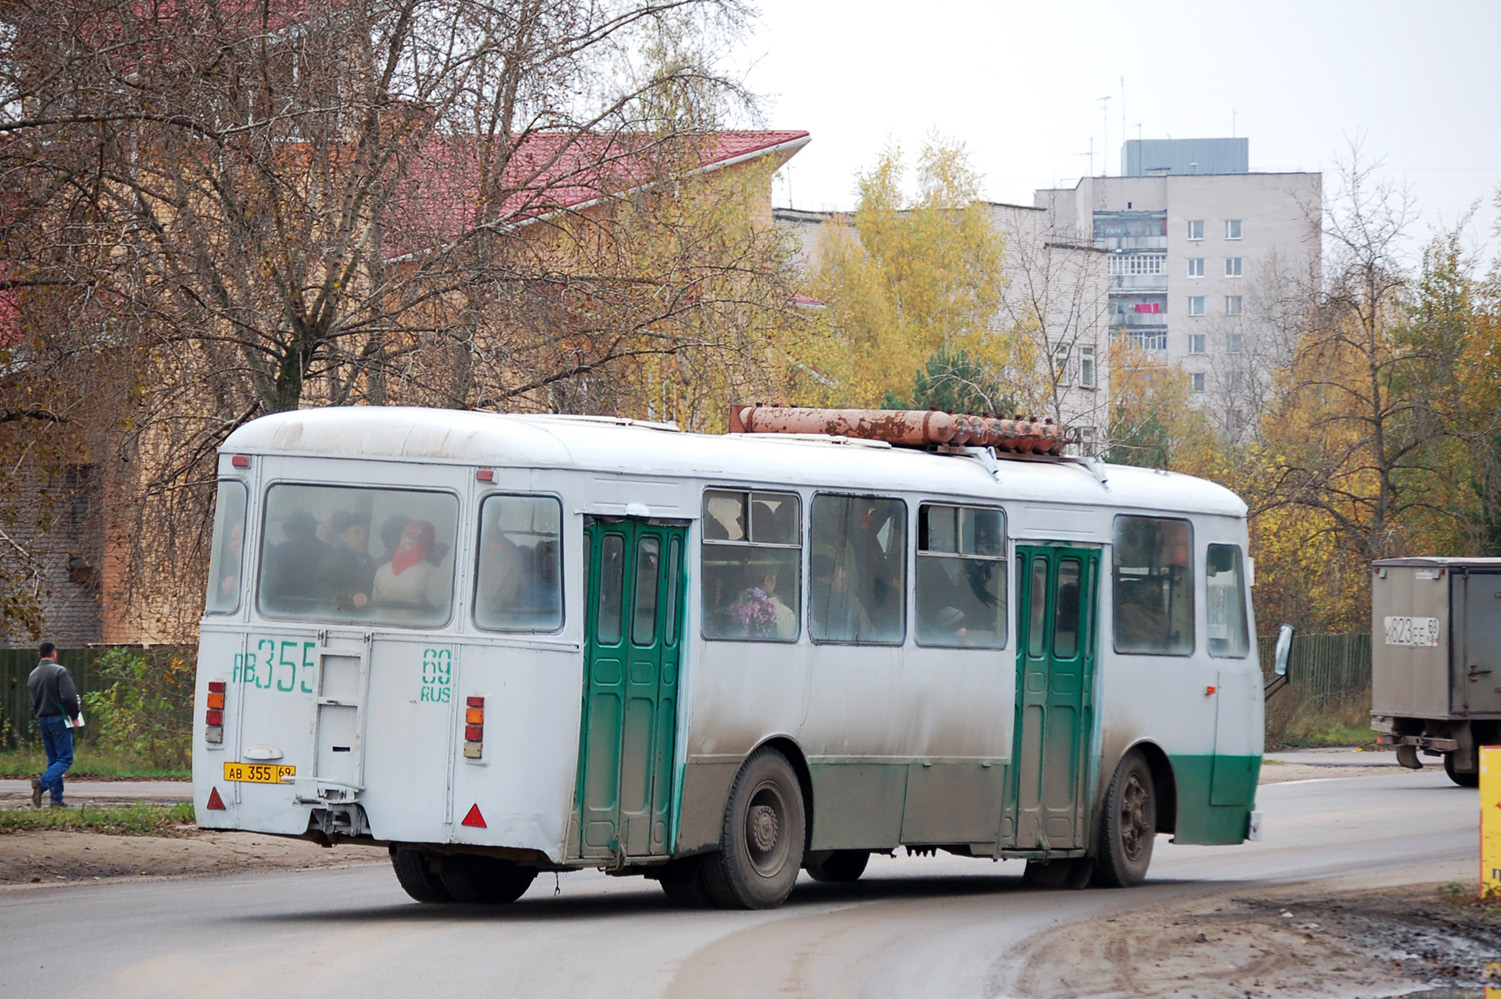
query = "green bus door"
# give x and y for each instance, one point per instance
(1054, 680)
(632, 658)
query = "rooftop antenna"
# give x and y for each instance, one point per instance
(1105, 145)
(1232, 123)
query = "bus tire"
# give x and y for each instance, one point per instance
(485, 880)
(840, 867)
(1128, 826)
(761, 850)
(414, 871)
(682, 883)
(1458, 776)
(1065, 872)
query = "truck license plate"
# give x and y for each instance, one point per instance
(258, 773)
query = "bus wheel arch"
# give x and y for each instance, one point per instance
(1164, 783)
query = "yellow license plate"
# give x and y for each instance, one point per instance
(258, 773)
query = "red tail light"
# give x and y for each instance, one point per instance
(213, 715)
(474, 728)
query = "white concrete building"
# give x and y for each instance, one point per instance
(1203, 256)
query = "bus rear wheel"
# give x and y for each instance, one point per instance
(1128, 827)
(841, 866)
(485, 880)
(417, 876)
(762, 841)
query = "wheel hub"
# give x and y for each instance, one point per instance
(763, 825)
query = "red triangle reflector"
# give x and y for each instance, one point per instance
(214, 801)
(474, 818)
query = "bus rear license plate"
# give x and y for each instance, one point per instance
(257, 773)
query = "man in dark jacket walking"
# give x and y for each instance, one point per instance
(55, 702)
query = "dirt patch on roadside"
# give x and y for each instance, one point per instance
(1313, 941)
(53, 857)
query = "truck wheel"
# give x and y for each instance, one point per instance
(1128, 826)
(1459, 777)
(761, 849)
(485, 880)
(414, 870)
(841, 866)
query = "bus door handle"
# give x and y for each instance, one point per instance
(1476, 673)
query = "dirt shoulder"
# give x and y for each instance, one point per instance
(50, 857)
(1350, 938)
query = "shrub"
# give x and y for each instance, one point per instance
(146, 709)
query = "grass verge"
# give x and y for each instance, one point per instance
(88, 763)
(138, 819)
(1346, 721)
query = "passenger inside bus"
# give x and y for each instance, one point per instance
(291, 572)
(347, 572)
(408, 577)
(838, 615)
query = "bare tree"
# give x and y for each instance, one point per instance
(445, 202)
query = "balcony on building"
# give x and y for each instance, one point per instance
(1130, 231)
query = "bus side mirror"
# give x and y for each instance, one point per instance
(1284, 650)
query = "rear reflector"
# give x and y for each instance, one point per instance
(215, 802)
(474, 818)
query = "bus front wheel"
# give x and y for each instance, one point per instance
(762, 840)
(1128, 826)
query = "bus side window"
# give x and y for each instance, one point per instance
(1225, 603)
(1153, 588)
(519, 577)
(227, 556)
(961, 577)
(858, 591)
(752, 566)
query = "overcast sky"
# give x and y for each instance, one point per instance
(1020, 84)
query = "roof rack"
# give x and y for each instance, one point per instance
(1017, 437)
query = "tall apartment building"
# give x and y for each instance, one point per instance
(1203, 256)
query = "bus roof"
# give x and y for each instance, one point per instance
(399, 433)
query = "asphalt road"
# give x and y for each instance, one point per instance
(911, 927)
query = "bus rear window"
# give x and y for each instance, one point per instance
(1153, 586)
(227, 555)
(341, 553)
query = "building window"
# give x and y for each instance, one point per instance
(1232, 267)
(1149, 339)
(1232, 228)
(1196, 382)
(1060, 364)
(1235, 381)
(1195, 305)
(1086, 367)
(1195, 266)
(1195, 228)
(1232, 305)
(1134, 264)
(1196, 343)
(1235, 343)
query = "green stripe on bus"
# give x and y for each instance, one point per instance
(1215, 797)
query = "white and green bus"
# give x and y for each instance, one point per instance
(503, 644)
